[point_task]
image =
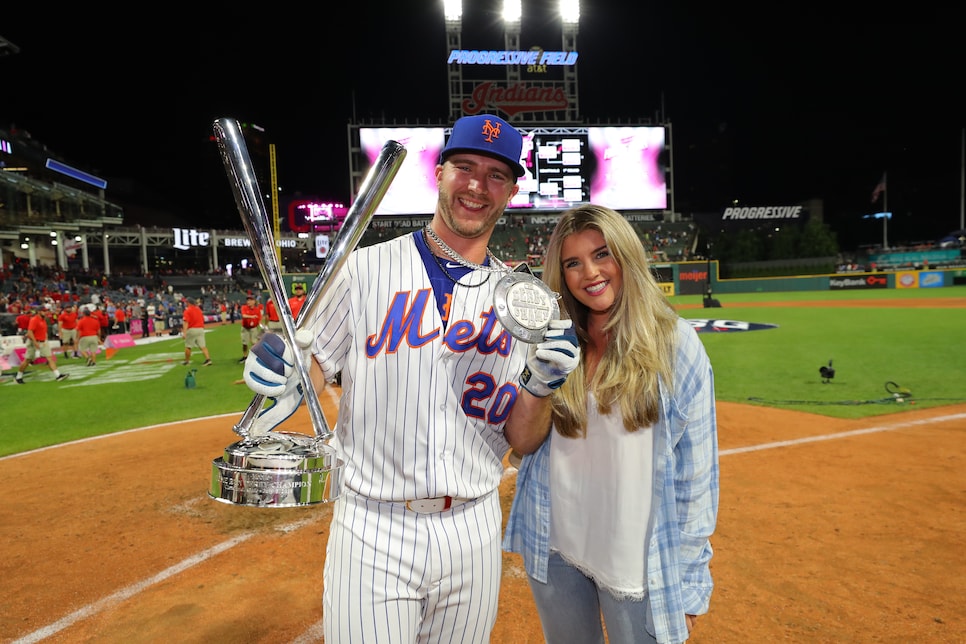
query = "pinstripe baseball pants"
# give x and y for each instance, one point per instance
(396, 576)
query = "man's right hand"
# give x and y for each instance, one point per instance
(271, 363)
(270, 370)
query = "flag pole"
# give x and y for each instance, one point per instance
(962, 181)
(885, 209)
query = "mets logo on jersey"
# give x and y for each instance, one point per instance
(485, 396)
(403, 322)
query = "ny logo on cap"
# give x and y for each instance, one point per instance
(491, 131)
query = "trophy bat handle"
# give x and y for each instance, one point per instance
(254, 215)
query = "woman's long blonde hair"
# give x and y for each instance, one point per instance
(641, 329)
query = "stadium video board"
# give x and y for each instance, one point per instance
(622, 167)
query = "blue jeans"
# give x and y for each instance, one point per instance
(572, 609)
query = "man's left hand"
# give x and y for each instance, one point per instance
(551, 361)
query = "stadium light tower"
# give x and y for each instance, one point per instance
(453, 15)
(512, 12)
(570, 19)
(453, 10)
(570, 12)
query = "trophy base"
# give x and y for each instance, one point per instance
(276, 470)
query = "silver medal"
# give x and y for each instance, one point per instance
(524, 306)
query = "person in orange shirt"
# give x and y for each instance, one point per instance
(105, 321)
(194, 332)
(251, 332)
(297, 300)
(88, 336)
(23, 321)
(120, 319)
(274, 322)
(37, 345)
(67, 328)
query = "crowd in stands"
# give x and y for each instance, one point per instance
(525, 238)
(522, 240)
(162, 296)
(52, 290)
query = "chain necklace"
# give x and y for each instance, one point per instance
(498, 266)
(453, 279)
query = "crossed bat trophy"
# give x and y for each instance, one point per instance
(285, 469)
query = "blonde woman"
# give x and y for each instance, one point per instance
(614, 512)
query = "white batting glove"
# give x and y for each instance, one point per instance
(279, 408)
(271, 363)
(551, 361)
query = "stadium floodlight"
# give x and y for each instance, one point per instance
(453, 10)
(512, 11)
(570, 11)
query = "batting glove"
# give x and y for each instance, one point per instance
(270, 370)
(279, 409)
(271, 363)
(551, 361)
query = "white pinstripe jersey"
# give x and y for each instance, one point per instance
(423, 406)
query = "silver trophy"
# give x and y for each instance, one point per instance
(286, 469)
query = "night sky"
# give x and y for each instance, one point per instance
(762, 113)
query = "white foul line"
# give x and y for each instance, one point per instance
(855, 432)
(130, 591)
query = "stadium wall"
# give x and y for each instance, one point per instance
(701, 278)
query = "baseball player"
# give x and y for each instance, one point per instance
(435, 392)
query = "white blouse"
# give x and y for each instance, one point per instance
(600, 501)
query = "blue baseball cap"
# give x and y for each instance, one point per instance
(488, 135)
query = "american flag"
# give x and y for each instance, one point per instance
(879, 188)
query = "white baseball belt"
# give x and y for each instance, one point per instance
(437, 504)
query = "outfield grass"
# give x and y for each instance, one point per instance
(914, 348)
(919, 349)
(138, 386)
